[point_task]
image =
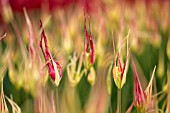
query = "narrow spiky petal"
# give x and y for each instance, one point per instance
(143, 100)
(31, 35)
(89, 44)
(92, 55)
(148, 90)
(139, 96)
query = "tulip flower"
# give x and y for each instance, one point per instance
(119, 72)
(119, 69)
(143, 100)
(89, 54)
(75, 75)
(139, 95)
(89, 47)
(3, 105)
(54, 68)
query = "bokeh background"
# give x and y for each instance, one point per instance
(24, 75)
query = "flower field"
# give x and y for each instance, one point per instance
(82, 56)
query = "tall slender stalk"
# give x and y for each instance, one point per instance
(119, 101)
(110, 106)
(58, 109)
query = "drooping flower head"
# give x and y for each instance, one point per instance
(54, 68)
(89, 46)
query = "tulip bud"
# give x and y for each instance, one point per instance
(54, 68)
(89, 47)
(143, 100)
(119, 72)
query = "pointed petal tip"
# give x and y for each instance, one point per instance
(3, 37)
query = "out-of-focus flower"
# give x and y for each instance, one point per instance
(89, 53)
(31, 38)
(7, 13)
(91, 76)
(16, 75)
(3, 61)
(75, 75)
(108, 80)
(168, 48)
(168, 82)
(89, 47)
(3, 105)
(23, 67)
(44, 101)
(15, 107)
(54, 68)
(143, 100)
(120, 70)
(161, 65)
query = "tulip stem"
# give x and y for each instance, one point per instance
(119, 101)
(110, 106)
(57, 100)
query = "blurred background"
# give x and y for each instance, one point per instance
(25, 82)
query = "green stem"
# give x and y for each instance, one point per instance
(57, 100)
(119, 101)
(110, 106)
